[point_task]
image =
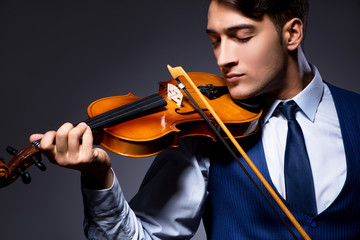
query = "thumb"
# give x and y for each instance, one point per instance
(101, 159)
(95, 153)
(100, 156)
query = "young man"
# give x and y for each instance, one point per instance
(258, 47)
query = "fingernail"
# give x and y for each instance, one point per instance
(83, 124)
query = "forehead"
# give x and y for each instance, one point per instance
(221, 17)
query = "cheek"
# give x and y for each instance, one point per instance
(266, 58)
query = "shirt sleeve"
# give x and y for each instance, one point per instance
(169, 203)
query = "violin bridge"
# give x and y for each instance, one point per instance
(174, 94)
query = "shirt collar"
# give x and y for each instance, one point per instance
(308, 99)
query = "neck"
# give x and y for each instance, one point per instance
(298, 75)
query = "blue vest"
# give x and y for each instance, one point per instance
(236, 210)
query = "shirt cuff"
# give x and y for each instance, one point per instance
(105, 202)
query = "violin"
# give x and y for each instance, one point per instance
(143, 126)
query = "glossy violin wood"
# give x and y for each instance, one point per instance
(143, 126)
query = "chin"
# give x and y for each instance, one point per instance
(242, 92)
(241, 95)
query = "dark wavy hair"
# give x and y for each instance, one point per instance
(279, 11)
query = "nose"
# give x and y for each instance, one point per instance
(226, 55)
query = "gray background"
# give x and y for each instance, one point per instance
(57, 57)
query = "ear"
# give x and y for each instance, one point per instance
(293, 33)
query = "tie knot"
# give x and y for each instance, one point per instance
(288, 109)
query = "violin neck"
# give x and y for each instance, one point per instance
(126, 112)
(123, 113)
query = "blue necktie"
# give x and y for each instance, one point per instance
(299, 183)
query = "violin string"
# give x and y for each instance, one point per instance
(123, 114)
(100, 119)
(119, 113)
(220, 137)
(127, 111)
(141, 105)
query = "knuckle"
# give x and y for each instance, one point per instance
(64, 129)
(62, 162)
(67, 125)
(61, 134)
(74, 133)
(45, 146)
(46, 142)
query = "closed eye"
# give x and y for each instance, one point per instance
(243, 40)
(215, 43)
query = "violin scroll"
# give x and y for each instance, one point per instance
(18, 165)
(4, 171)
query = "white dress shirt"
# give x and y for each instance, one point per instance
(320, 125)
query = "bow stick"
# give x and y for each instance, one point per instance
(176, 72)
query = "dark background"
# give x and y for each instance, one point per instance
(56, 57)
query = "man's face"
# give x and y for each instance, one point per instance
(248, 52)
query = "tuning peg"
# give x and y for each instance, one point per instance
(11, 150)
(39, 164)
(25, 176)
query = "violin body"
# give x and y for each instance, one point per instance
(152, 133)
(148, 127)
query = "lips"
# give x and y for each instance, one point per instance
(233, 77)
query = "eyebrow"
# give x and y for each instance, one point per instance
(233, 28)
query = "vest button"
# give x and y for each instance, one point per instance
(313, 224)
